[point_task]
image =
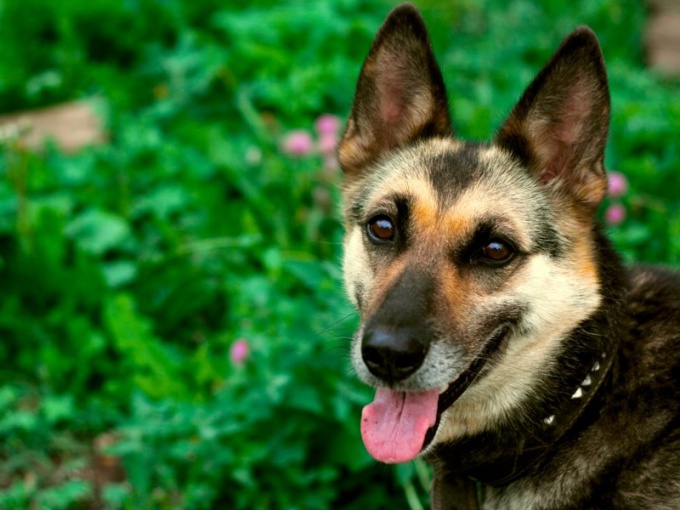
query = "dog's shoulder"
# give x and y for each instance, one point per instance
(653, 282)
(654, 304)
(651, 351)
(647, 391)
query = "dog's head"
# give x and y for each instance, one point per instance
(468, 262)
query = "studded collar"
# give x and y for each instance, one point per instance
(552, 427)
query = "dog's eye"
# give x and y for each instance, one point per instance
(497, 252)
(381, 228)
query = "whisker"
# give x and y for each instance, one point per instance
(333, 324)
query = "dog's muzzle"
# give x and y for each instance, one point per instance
(398, 425)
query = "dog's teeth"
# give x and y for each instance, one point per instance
(443, 389)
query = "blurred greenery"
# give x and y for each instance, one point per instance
(128, 270)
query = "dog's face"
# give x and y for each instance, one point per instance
(468, 263)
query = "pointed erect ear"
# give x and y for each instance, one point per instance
(400, 94)
(559, 126)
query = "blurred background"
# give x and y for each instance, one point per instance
(173, 329)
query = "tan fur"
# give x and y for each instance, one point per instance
(351, 152)
(511, 381)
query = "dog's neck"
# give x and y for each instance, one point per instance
(509, 451)
(573, 396)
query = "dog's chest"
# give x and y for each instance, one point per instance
(516, 497)
(463, 494)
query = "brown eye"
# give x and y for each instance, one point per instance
(381, 229)
(497, 252)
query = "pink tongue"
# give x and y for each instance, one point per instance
(393, 427)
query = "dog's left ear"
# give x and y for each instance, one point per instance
(400, 94)
(559, 126)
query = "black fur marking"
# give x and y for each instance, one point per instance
(359, 295)
(403, 221)
(356, 211)
(407, 303)
(453, 171)
(518, 146)
(547, 240)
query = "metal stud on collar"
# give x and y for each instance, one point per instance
(584, 386)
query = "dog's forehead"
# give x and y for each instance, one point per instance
(459, 180)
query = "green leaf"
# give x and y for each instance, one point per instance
(152, 367)
(57, 408)
(64, 496)
(96, 231)
(119, 273)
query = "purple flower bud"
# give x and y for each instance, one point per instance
(327, 125)
(298, 143)
(615, 214)
(617, 184)
(239, 351)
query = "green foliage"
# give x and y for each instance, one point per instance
(128, 270)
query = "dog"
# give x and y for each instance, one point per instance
(507, 343)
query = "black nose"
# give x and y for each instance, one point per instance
(392, 355)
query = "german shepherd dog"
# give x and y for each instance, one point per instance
(507, 343)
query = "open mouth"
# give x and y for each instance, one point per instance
(398, 425)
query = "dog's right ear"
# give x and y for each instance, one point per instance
(400, 94)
